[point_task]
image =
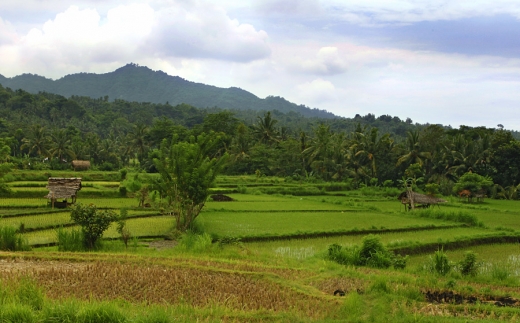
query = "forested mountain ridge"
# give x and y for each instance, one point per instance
(141, 84)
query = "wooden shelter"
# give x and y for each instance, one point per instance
(412, 200)
(62, 189)
(80, 164)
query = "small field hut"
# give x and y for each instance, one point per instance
(412, 200)
(80, 164)
(62, 189)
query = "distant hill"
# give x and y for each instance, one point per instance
(141, 84)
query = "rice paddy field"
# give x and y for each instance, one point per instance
(263, 257)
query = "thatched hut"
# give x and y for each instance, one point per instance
(412, 200)
(80, 164)
(62, 189)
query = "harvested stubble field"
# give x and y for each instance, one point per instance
(239, 286)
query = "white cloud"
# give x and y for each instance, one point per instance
(205, 31)
(317, 91)
(7, 33)
(77, 39)
(327, 61)
(381, 12)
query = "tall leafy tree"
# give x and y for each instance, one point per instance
(187, 173)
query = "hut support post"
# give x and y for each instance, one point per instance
(410, 198)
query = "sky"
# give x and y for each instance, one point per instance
(439, 62)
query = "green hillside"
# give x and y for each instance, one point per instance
(140, 84)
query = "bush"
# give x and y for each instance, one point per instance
(441, 264)
(372, 253)
(399, 262)
(469, 266)
(93, 222)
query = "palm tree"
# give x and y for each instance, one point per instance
(368, 146)
(413, 152)
(319, 151)
(37, 141)
(60, 145)
(137, 139)
(265, 129)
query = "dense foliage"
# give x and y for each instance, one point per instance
(187, 173)
(93, 222)
(47, 131)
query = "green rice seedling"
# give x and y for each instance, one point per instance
(297, 253)
(65, 312)
(11, 240)
(460, 216)
(354, 308)
(156, 315)
(380, 285)
(70, 240)
(37, 221)
(191, 241)
(28, 293)
(101, 313)
(500, 271)
(16, 313)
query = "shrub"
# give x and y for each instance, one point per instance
(372, 253)
(399, 262)
(441, 264)
(93, 222)
(122, 229)
(469, 266)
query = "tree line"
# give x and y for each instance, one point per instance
(47, 131)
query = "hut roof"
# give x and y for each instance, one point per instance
(62, 188)
(419, 198)
(81, 163)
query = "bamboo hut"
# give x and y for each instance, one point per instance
(412, 200)
(80, 164)
(62, 189)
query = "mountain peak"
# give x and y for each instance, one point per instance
(134, 82)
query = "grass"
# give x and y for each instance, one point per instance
(141, 227)
(268, 281)
(282, 223)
